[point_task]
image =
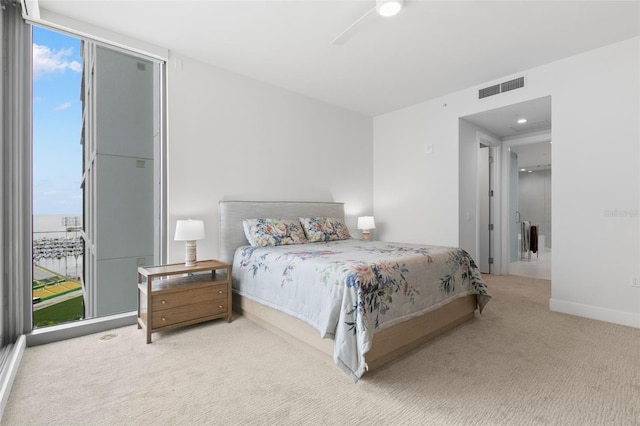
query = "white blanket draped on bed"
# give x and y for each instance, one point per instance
(349, 289)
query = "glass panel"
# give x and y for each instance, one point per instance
(120, 175)
(97, 140)
(514, 214)
(57, 171)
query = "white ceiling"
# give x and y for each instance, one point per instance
(534, 157)
(503, 123)
(430, 49)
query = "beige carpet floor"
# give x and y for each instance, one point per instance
(516, 364)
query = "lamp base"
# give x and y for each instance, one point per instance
(365, 235)
(190, 258)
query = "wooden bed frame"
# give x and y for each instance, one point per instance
(388, 344)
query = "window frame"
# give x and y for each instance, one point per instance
(83, 327)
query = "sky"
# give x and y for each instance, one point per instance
(57, 123)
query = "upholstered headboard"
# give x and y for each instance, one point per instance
(232, 213)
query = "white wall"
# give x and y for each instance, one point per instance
(231, 137)
(415, 193)
(595, 107)
(468, 195)
(595, 164)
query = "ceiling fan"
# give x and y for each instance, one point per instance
(385, 8)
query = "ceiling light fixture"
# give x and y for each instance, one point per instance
(388, 7)
(522, 120)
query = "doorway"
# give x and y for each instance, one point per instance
(486, 201)
(484, 210)
(523, 186)
(532, 210)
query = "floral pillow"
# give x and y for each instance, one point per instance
(324, 229)
(273, 232)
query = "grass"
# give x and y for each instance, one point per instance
(69, 310)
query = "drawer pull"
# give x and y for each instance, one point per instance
(164, 319)
(220, 292)
(220, 306)
(164, 302)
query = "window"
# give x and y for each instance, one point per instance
(121, 128)
(57, 294)
(112, 223)
(16, 195)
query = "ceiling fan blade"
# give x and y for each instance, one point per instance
(346, 34)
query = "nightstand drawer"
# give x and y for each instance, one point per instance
(188, 313)
(189, 297)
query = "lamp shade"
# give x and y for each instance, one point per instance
(189, 230)
(388, 7)
(366, 222)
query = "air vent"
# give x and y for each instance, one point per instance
(506, 86)
(512, 85)
(489, 91)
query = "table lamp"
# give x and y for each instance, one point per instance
(366, 223)
(189, 231)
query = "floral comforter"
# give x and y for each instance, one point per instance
(349, 289)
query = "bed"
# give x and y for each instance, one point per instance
(363, 303)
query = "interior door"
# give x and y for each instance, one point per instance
(484, 209)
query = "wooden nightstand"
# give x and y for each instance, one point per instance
(171, 296)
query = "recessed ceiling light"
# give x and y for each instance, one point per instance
(523, 170)
(522, 120)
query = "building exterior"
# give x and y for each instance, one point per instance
(118, 176)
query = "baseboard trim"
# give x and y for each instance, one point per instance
(594, 312)
(70, 330)
(9, 371)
